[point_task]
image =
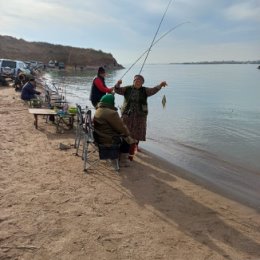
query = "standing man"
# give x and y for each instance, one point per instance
(99, 88)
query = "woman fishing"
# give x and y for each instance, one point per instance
(135, 108)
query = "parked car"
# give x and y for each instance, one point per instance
(40, 65)
(33, 64)
(36, 64)
(11, 68)
(51, 64)
(61, 65)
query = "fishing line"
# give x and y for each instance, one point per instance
(155, 35)
(162, 36)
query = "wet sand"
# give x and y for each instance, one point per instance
(224, 177)
(50, 209)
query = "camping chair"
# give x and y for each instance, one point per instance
(91, 146)
(64, 120)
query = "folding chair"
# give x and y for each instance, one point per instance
(109, 153)
(64, 120)
(79, 128)
(91, 147)
(83, 120)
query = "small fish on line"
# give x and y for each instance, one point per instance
(164, 101)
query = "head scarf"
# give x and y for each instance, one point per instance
(139, 77)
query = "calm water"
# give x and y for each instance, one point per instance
(211, 121)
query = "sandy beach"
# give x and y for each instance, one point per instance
(50, 209)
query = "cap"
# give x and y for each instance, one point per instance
(101, 70)
(108, 99)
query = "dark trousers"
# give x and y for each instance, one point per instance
(124, 148)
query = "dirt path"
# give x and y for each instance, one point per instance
(50, 209)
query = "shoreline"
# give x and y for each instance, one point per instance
(50, 209)
(235, 186)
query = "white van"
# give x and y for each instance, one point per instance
(11, 68)
(51, 64)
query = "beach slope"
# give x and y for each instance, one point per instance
(51, 209)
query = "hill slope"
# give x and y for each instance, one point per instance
(20, 49)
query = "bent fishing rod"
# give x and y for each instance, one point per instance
(159, 26)
(162, 36)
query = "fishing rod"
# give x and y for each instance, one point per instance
(155, 35)
(162, 36)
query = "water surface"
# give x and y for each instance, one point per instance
(210, 125)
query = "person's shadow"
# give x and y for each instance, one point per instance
(151, 186)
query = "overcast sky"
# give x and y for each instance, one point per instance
(218, 29)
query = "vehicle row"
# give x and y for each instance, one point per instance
(11, 69)
(53, 64)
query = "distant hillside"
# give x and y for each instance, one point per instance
(12, 48)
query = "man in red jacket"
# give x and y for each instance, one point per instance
(99, 88)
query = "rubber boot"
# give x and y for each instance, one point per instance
(132, 152)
